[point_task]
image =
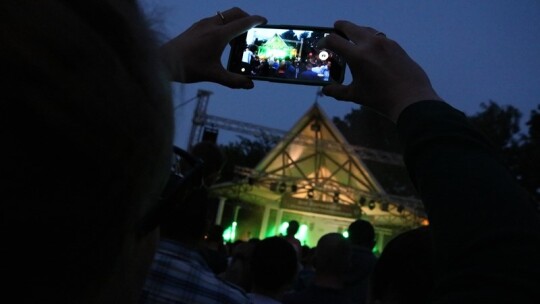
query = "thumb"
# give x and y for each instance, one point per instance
(232, 80)
(337, 91)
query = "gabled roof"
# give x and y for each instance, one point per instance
(313, 169)
(314, 155)
(276, 42)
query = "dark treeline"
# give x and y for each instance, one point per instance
(520, 149)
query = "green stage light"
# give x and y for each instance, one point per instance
(283, 228)
(270, 231)
(301, 235)
(345, 234)
(229, 234)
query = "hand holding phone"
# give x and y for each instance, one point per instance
(389, 83)
(195, 55)
(286, 53)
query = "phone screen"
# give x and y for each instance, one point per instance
(285, 53)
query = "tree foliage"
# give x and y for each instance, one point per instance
(289, 35)
(501, 126)
(499, 123)
(528, 163)
(245, 152)
(365, 127)
(520, 151)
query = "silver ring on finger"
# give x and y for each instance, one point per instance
(221, 16)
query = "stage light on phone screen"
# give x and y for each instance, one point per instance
(281, 53)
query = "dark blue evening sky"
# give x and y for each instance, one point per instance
(473, 51)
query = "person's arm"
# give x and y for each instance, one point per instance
(195, 55)
(486, 233)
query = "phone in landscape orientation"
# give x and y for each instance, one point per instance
(286, 53)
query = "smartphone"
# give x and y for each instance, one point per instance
(286, 53)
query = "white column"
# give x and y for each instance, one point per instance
(235, 222)
(278, 221)
(236, 210)
(221, 206)
(380, 241)
(264, 224)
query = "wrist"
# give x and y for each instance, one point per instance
(169, 56)
(418, 95)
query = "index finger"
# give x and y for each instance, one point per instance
(357, 34)
(241, 25)
(339, 45)
(232, 14)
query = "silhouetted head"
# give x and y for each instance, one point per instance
(332, 255)
(404, 271)
(274, 265)
(238, 271)
(86, 143)
(361, 233)
(293, 227)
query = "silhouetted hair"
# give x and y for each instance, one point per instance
(404, 271)
(274, 264)
(86, 122)
(332, 254)
(293, 227)
(361, 233)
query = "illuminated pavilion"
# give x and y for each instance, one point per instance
(313, 176)
(276, 48)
